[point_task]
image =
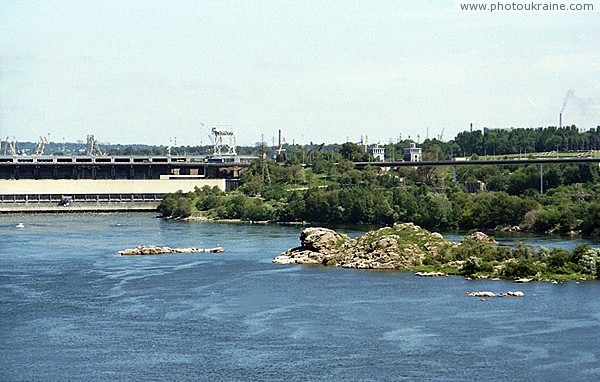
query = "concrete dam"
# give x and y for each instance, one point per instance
(101, 183)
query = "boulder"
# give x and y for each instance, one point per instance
(430, 274)
(481, 294)
(323, 240)
(513, 294)
(318, 246)
(300, 256)
(522, 280)
(479, 237)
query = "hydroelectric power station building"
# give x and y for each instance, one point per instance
(97, 183)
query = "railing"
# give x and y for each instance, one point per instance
(101, 159)
(82, 198)
(48, 159)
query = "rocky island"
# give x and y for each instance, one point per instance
(406, 246)
(153, 250)
(402, 246)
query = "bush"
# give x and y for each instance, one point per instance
(274, 192)
(521, 267)
(177, 205)
(589, 263)
(183, 208)
(591, 219)
(259, 211)
(558, 261)
(471, 266)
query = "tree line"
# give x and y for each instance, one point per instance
(521, 141)
(336, 192)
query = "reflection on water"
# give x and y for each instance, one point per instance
(71, 308)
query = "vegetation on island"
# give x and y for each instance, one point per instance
(522, 261)
(405, 246)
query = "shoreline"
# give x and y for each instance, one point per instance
(497, 230)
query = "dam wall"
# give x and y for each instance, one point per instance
(90, 187)
(85, 195)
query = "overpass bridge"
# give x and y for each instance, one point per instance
(491, 162)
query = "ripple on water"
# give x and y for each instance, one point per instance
(72, 308)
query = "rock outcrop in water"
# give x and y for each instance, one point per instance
(318, 246)
(399, 247)
(153, 250)
(479, 237)
(491, 294)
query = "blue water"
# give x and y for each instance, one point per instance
(72, 309)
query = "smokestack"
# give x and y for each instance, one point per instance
(471, 127)
(560, 120)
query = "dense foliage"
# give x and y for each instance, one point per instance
(323, 186)
(514, 141)
(522, 261)
(329, 193)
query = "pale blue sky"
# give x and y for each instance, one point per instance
(144, 71)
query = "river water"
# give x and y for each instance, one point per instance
(72, 309)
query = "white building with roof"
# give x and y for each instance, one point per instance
(413, 153)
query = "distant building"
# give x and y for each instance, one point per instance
(413, 153)
(377, 152)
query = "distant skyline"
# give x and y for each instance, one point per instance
(321, 71)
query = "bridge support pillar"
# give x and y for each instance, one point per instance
(541, 178)
(454, 174)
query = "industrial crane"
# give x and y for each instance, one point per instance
(93, 148)
(10, 145)
(41, 145)
(441, 136)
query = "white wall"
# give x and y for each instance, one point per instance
(86, 186)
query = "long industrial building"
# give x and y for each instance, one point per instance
(93, 183)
